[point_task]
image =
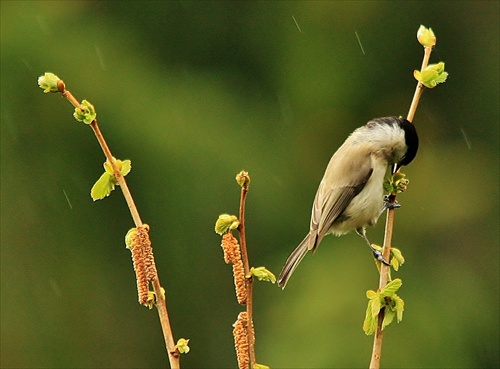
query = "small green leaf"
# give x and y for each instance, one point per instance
(391, 288)
(400, 307)
(125, 167)
(388, 318)
(182, 346)
(263, 274)
(426, 37)
(260, 366)
(397, 258)
(48, 82)
(226, 222)
(370, 322)
(86, 113)
(371, 294)
(151, 300)
(432, 75)
(103, 187)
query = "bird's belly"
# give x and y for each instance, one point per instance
(364, 210)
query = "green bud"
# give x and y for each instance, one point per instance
(426, 37)
(397, 183)
(226, 222)
(49, 82)
(151, 300)
(243, 179)
(86, 113)
(432, 75)
(263, 274)
(182, 346)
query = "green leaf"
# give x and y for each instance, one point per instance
(86, 113)
(182, 346)
(370, 322)
(397, 258)
(372, 294)
(263, 274)
(400, 307)
(225, 223)
(48, 82)
(432, 75)
(125, 167)
(391, 288)
(103, 187)
(260, 366)
(388, 318)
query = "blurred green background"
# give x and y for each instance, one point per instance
(193, 92)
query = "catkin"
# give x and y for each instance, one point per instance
(143, 260)
(232, 255)
(140, 271)
(149, 260)
(231, 248)
(241, 340)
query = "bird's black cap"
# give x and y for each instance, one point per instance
(411, 139)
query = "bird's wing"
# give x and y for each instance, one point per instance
(334, 196)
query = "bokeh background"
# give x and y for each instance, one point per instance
(193, 92)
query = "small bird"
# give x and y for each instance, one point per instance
(350, 195)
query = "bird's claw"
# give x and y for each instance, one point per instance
(389, 204)
(378, 255)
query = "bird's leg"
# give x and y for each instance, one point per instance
(389, 204)
(376, 253)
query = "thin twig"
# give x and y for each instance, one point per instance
(389, 227)
(161, 303)
(248, 279)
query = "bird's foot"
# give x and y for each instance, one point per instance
(378, 255)
(390, 204)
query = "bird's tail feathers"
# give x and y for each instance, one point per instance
(293, 261)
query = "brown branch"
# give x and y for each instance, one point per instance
(389, 227)
(248, 279)
(161, 303)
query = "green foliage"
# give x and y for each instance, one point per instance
(426, 36)
(48, 82)
(263, 274)
(106, 183)
(225, 223)
(182, 346)
(86, 114)
(397, 258)
(397, 183)
(432, 75)
(385, 299)
(260, 366)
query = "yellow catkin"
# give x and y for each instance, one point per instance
(149, 260)
(232, 255)
(240, 282)
(241, 340)
(140, 274)
(231, 248)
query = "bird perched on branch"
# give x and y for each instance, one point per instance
(350, 195)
